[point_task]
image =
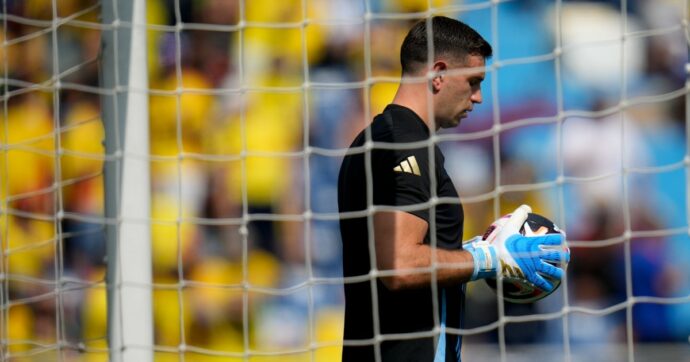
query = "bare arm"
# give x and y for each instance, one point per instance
(399, 247)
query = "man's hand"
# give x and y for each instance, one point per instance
(514, 255)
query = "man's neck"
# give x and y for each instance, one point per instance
(415, 97)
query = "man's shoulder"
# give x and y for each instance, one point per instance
(398, 124)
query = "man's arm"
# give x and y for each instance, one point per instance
(400, 247)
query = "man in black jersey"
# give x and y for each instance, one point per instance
(418, 220)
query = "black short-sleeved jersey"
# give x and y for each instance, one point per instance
(400, 177)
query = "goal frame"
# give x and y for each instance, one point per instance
(127, 179)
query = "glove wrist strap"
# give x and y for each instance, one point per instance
(485, 261)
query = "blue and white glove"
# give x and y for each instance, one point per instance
(515, 256)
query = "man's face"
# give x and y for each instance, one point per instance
(459, 91)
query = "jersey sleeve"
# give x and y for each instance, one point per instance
(402, 178)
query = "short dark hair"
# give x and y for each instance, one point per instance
(451, 37)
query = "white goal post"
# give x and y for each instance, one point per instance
(126, 175)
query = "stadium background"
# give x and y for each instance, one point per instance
(197, 137)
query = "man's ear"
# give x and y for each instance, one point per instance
(438, 70)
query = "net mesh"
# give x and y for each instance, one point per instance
(252, 107)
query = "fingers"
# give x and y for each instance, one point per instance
(549, 253)
(540, 282)
(524, 208)
(517, 218)
(548, 239)
(554, 256)
(550, 270)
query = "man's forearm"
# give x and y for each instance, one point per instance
(406, 262)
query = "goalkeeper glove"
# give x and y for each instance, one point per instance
(516, 256)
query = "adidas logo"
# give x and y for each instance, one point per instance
(408, 165)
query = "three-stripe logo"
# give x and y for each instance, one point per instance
(408, 165)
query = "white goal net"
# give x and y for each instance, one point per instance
(168, 173)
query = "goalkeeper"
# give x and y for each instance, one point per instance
(394, 316)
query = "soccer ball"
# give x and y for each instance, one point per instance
(516, 290)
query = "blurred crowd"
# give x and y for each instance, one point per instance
(249, 118)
